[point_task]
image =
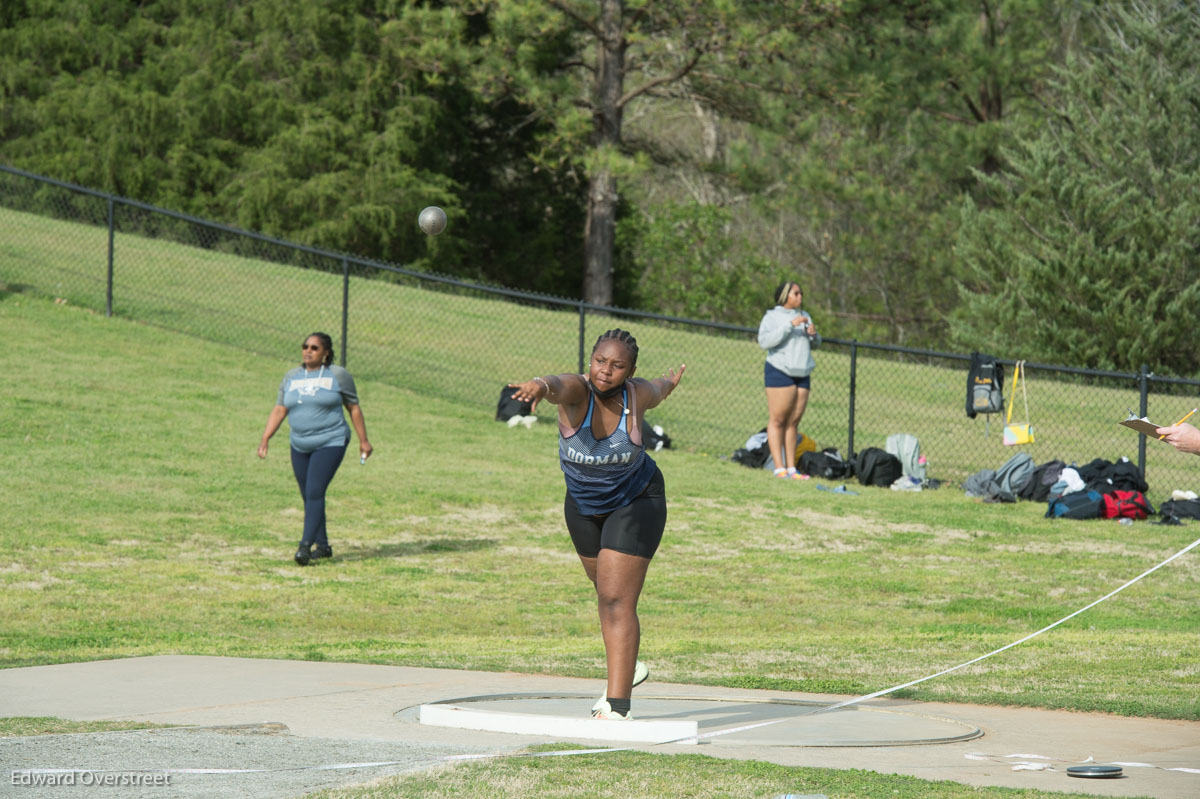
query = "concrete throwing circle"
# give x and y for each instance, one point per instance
(855, 725)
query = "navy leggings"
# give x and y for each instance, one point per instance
(314, 472)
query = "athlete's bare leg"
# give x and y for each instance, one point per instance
(618, 579)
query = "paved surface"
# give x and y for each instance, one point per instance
(282, 728)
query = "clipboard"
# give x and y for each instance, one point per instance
(1142, 425)
(1147, 427)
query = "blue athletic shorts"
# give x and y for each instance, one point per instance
(774, 378)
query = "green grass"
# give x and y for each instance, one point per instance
(138, 521)
(464, 346)
(620, 775)
(130, 473)
(19, 726)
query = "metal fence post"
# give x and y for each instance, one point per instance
(1143, 390)
(582, 318)
(108, 296)
(345, 306)
(853, 389)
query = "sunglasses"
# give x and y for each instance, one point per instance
(311, 347)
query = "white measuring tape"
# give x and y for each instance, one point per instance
(894, 688)
(1047, 765)
(689, 739)
(1186, 549)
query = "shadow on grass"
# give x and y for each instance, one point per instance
(433, 545)
(8, 290)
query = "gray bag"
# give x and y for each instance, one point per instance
(1016, 473)
(908, 450)
(1005, 483)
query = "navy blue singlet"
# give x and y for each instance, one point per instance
(608, 474)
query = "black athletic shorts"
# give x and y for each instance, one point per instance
(635, 529)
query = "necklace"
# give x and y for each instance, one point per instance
(621, 400)
(615, 391)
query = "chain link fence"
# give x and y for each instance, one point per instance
(443, 337)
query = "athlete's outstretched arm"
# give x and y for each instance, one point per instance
(568, 389)
(661, 387)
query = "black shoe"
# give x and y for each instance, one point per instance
(321, 551)
(303, 555)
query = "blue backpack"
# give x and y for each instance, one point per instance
(1077, 505)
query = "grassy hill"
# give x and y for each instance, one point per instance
(463, 345)
(139, 521)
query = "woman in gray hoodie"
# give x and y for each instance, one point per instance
(788, 335)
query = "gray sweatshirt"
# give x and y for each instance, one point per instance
(789, 349)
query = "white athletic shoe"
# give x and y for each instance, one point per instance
(640, 673)
(603, 710)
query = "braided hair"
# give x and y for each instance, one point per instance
(326, 344)
(623, 336)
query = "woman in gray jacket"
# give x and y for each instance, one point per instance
(788, 335)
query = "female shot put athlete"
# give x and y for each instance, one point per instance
(615, 506)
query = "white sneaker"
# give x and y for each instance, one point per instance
(604, 711)
(640, 673)
(529, 421)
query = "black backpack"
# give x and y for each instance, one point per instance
(1126, 477)
(877, 467)
(1095, 469)
(827, 463)
(508, 407)
(1044, 476)
(652, 439)
(1180, 509)
(1077, 505)
(754, 458)
(985, 385)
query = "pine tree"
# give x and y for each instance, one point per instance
(1085, 249)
